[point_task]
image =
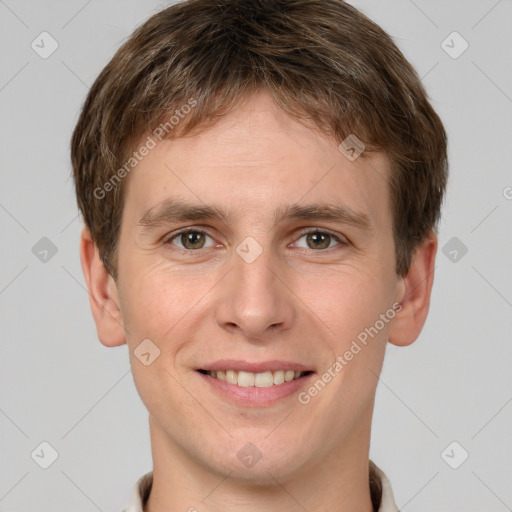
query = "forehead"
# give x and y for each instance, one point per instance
(252, 162)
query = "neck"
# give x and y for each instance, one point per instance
(339, 481)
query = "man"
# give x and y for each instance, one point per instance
(260, 182)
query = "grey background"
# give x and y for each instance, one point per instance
(60, 385)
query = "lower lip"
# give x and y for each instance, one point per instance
(254, 396)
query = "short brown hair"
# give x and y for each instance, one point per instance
(321, 60)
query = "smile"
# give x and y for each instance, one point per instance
(260, 380)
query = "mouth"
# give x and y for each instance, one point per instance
(265, 379)
(255, 383)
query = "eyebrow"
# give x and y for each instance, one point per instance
(175, 210)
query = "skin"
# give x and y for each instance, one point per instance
(294, 302)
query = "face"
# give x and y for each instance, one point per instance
(254, 249)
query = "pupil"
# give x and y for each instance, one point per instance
(192, 238)
(319, 240)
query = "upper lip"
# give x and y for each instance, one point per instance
(255, 367)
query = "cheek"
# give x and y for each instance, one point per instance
(351, 304)
(156, 300)
(349, 300)
(352, 309)
(156, 306)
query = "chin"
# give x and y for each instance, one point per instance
(261, 463)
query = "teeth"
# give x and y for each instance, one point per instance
(262, 380)
(278, 377)
(245, 379)
(259, 380)
(231, 376)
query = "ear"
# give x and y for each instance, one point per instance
(414, 294)
(103, 295)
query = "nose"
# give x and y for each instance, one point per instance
(256, 300)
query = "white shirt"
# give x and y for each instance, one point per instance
(142, 488)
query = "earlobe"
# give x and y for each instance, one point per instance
(103, 296)
(414, 294)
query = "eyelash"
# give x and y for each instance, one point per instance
(301, 234)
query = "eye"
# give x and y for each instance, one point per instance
(316, 239)
(195, 239)
(191, 239)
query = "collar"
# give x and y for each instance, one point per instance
(380, 490)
